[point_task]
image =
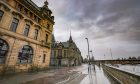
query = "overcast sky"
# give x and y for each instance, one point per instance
(107, 24)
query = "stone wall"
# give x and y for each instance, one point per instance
(16, 40)
(123, 77)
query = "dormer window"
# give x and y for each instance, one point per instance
(31, 14)
(35, 17)
(39, 20)
(48, 26)
(25, 11)
(19, 8)
(48, 13)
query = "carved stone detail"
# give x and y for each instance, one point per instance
(29, 21)
(16, 14)
(5, 7)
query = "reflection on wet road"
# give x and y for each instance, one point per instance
(94, 75)
(85, 74)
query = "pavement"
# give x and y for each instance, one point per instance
(51, 77)
(67, 75)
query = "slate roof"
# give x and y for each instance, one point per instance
(65, 44)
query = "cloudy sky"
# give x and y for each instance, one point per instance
(107, 24)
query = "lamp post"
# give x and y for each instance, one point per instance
(111, 53)
(93, 60)
(88, 49)
(92, 55)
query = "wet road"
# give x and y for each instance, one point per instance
(83, 74)
(92, 75)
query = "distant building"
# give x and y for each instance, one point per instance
(65, 53)
(25, 35)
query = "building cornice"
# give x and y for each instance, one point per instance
(37, 10)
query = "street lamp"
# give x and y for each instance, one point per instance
(92, 56)
(88, 49)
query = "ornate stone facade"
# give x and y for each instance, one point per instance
(65, 53)
(25, 35)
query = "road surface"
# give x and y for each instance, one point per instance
(66, 75)
(91, 75)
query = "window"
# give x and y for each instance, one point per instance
(25, 11)
(25, 54)
(19, 8)
(65, 53)
(49, 13)
(39, 20)
(3, 50)
(14, 25)
(36, 34)
(48, 26)
(1, 14)
(59, 53)
(44, 58)
(54, 53)
(46, 38)
(31, 15)
(5, 0)
(26, 30)
(35, 17)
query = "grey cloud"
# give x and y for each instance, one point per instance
(106, 21)
(113, 12)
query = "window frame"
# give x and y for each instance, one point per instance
(5, 49)
(36, 34)
(14, 23)
(48, 26)
(65, 53)
(54, 53)
(59, 53)
(46, 38)
(1, 15)
(25, 57)
(19, 9)
(25, 11)
(44, 58)
(27, 27)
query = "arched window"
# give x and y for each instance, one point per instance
(3, 50)
(25, 54)
(1, 14)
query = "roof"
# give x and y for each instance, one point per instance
(65, 44)
(53, 38)
(42, 12)
(33, 4)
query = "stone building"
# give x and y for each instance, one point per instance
(25, 35)
(65, 53)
